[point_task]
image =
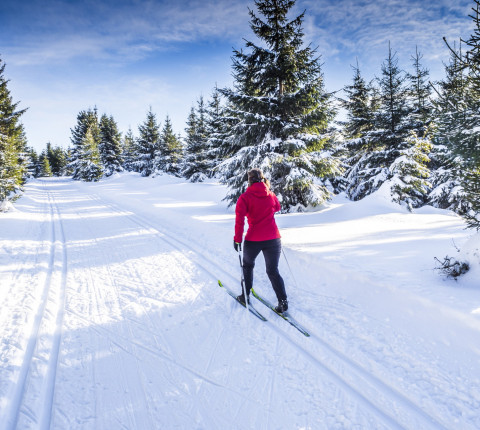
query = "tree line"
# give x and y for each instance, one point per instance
(412, 139)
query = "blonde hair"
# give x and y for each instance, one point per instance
(256, 175)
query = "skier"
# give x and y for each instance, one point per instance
(259, 205)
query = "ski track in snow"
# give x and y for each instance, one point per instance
(112, 347)
(359, 374)
(33, 393)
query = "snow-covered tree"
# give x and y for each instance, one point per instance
(409, 173)
(465, 140)
(110, 145)
(148, 144)
(57, 158)
(45, 169)
(447, 190)
(13, 144)
(129, 151)
(215, 128)
(394, 150)
(33, 166)
(196, 163)
(420, 96)
(361, 104)
(82, 158)
(89, 165)
(277, 115)
(168, 155)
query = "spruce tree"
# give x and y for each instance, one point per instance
(80, 156)
(420, 95)
(196, 163)
(394, 153)
(277, 115)
(57, 159)
(168, 155)
(89, 167)
(393, 115)
(110, 145)
(33, 167)
(447, 190)
(13, 144)
(215, 127)
(129, 151)
(358, 104)
(409, 172)
(148, 145)
(361, 106)
(465, 139)
(45, 169)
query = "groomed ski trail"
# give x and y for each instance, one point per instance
(142, 337)
(32, 393)
(382, 399)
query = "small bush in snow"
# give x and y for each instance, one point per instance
(452, 268)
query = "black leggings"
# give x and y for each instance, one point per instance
(271, 252)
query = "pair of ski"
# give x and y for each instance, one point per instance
(284, 315)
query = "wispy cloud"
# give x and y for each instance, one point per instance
(364, 28)
(122, 31)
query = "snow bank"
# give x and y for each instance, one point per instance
(6, 206)
(470, 254)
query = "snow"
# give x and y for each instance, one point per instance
(112, 316)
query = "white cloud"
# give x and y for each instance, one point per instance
(126, 31)
(350, 29)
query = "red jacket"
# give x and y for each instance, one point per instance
(258, 204)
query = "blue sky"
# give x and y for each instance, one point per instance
(125, 56)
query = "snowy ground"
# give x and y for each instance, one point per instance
(111, 316)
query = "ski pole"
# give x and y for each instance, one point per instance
(242, 279)
(289, 268)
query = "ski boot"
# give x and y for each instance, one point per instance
(241, 299)
(281, 307)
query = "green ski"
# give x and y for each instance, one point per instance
(250, 307)
(285, 315)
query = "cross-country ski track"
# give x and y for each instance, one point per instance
(112, 318)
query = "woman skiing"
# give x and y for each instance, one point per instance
(259, 205)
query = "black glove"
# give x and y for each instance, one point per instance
(237, 246)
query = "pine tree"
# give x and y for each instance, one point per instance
(409, 172)
(89, 167)
(388, 143)
(196, 163)
(277, 116)
(420, 94)
(447, 190)
(80, 157)
(110, 146)
(33, 166)
(215, 128)
(57, 159)
(360, 116)
(464, 139)
(129, 151)
(13, 145)
(394, 109)
(148, 144)
(361, 106)
(169, 152)
(45, 169)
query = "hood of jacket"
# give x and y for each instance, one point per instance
(259, 189)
